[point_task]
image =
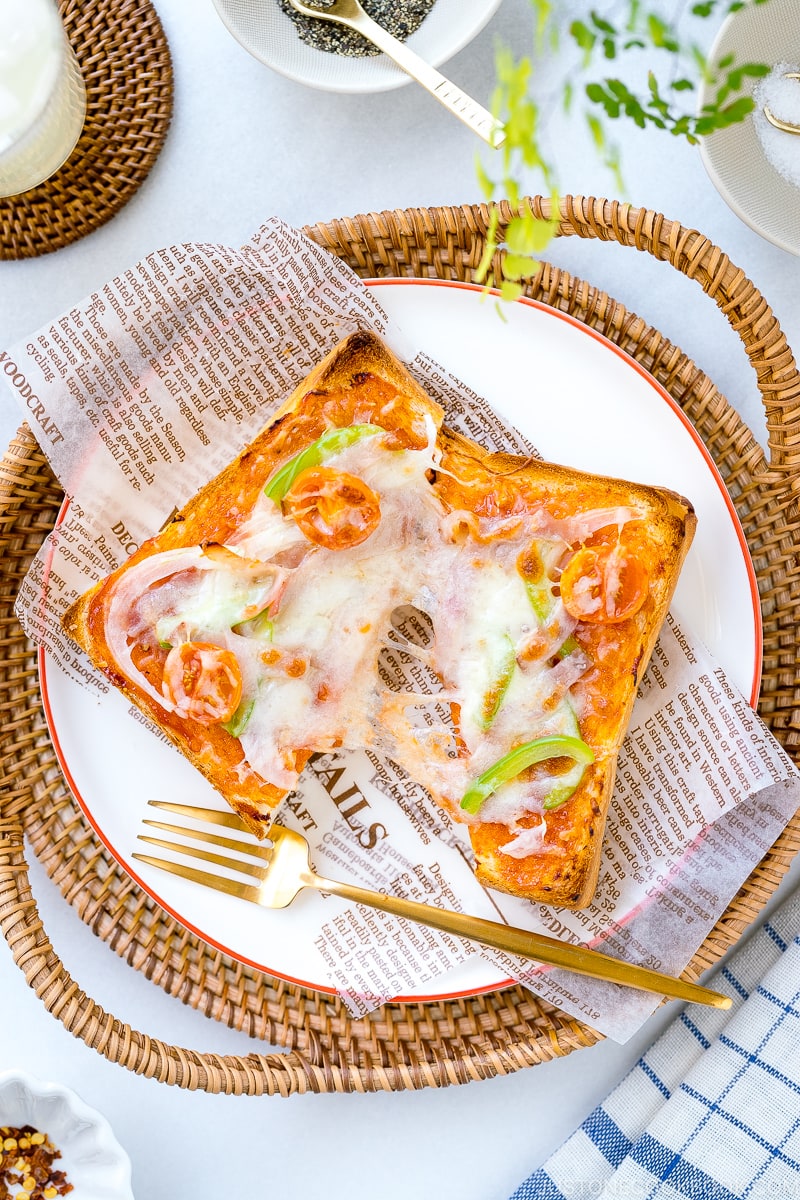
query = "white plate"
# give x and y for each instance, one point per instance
(735, 157)
(581, 401)
(269, 35)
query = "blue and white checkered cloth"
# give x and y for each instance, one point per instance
(712, 1110)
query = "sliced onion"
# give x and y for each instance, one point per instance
(459, 524)
(530, 841)
(578, 527)
(568, 671)
(546, 641)
(121, 626)
(526, 841)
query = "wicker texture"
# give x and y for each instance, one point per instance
(321, 1048)
(127, 71)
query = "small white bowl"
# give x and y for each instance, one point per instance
(263, 28)
(735, 158)
(91, 1157)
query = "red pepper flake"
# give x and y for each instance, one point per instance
(26, 1165)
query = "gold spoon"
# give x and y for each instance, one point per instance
(351, 14)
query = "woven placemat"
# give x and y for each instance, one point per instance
(400, 1046)
(127, 71)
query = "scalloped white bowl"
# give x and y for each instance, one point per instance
(92, 1158)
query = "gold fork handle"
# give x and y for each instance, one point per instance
(479, 119)
(526, 944)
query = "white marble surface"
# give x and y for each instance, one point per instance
(244, 144)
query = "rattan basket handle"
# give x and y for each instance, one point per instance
(737, 298)
(448, 243)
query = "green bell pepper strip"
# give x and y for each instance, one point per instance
(541, 600)
(543, 604)
(332, 441)
(561, 793)
(540, 590)
(261, 626)
(496, 694)
(517, 760)
(238, 722)
(570, 644)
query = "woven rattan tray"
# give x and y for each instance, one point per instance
(321, 1048)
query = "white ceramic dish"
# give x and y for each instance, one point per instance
(92, 1158)
(581, 401)
(269, 35)
(735, 158)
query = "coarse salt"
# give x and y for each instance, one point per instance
(781, 95)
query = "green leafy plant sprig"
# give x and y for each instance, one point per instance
(611, 34)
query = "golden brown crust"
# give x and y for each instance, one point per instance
(565, 875)
(361, 381)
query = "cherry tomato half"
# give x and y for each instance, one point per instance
(203, 681)
(603, 584)
(332, 508)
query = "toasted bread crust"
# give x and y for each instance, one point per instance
(362, 381)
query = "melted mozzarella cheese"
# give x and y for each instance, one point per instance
(332, 617)
(310, 671)
(484, 615)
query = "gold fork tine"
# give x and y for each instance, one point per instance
(263, 850)
(219, 860)
(212, 815)
(220, 883)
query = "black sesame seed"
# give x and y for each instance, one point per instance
(401, 18)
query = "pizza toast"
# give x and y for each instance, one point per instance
(600, 572)
(254, 628)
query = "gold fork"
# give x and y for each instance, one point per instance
(351, 14)
(281, 867)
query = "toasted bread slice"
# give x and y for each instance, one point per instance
(252, 629)
(644, 532)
